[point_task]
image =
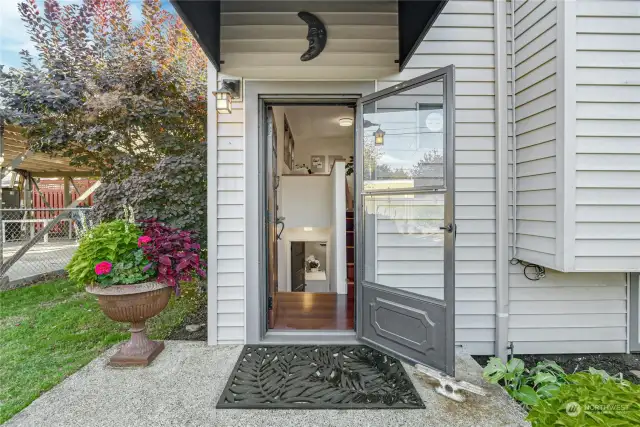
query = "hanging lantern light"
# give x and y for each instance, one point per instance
(229, 90)
(379, 136)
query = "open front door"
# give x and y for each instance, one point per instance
(405, 220)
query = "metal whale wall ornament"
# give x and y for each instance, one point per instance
(317, 36)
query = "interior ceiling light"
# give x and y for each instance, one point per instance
(346, 121)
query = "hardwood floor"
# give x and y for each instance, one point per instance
(308, 310)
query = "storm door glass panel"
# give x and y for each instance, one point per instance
(404, 243)
(403, 140)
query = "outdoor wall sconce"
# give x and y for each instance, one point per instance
(228, 91)
(379, 136)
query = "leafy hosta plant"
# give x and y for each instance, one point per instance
(526, 386)
(174, 253)
(590, 399)
(111, 242)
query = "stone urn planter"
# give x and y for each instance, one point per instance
(134, 304)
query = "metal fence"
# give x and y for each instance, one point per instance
(53, 249)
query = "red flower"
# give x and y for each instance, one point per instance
(142, 240)
(103, 267)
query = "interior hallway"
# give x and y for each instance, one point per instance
(308, 310)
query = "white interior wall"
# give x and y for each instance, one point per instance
(306, 200)
(338, 231)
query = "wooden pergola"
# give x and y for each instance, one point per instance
(29, 165)
(17, 156)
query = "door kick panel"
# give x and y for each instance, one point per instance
(410, 326)
(392, 321)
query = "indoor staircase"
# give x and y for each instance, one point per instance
(351, 250)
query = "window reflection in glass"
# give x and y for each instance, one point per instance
(403, 139)
(403, 244)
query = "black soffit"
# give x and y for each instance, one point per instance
(415, 18)
(203, 20)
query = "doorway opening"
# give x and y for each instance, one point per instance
(402, 222)
(310, 228)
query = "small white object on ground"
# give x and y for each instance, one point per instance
(449, 386)
(193, 328)
(636, 373)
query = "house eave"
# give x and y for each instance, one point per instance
(415, 19)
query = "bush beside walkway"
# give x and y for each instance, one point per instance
(49, 331)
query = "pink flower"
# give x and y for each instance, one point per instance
(103, 267)
(142, 240)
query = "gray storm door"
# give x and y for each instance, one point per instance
(405, 220)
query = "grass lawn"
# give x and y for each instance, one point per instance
(49, 331)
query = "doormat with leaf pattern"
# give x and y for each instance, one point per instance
(318, 377)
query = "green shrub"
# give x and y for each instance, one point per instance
(172, 192)
(110, 241)
(526, 386)
(590, 399)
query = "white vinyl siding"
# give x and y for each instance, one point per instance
(563, 312)
(463, 35)
(230, 227)
(568, 312)
(535, 115)
(607, 83)
(264, 39)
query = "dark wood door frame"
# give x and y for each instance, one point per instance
(271, 218)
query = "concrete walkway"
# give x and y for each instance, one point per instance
(182, 387)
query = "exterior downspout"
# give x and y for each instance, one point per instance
(514, 165)
(502, 179)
